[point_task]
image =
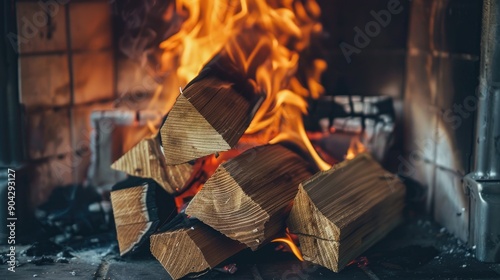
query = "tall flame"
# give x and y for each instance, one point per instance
(264, 41)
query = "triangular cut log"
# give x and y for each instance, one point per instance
(146, 160)
(139, 206)
(340, 213)
(192, 249)
(209, 116)
(249, 196)
(135, 215)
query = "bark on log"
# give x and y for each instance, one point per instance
(249, 197)
(193, 249)
(147, 160)
(340, 213)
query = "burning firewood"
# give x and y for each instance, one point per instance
(137, 212)
(340, 213)
(192, 249)
(249, 196)
(210, 115)
(146, 160)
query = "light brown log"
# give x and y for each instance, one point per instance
(209, 116)
(192, 250)
(135, 215)
(340, 213)
(146, 160)
(249, 196)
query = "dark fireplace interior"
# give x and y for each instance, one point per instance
(414, 83)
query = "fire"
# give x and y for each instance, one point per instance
(204, 168)
(263, 41)
(290, 240)
(355, 148)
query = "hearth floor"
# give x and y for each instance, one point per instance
(418, 249)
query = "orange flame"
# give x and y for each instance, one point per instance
(205, 167)
(355, 148)
(288, 240)
(264, 41)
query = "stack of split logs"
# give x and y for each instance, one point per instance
(250, 199)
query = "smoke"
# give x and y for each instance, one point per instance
(142, 26)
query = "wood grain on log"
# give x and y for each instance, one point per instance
(146, 160)
(135, 215)
(249, 196)
(209, 116)
(192, 250)
(340, 213)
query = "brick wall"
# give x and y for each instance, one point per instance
(67, 70)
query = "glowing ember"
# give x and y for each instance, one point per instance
(205, 167)
(360, 262)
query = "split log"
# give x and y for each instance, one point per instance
(192, 249)
(210, 115)
(146, 160)
(340, 213)
(138, 211)
(249, 196)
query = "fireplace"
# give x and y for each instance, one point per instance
(88, 85)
